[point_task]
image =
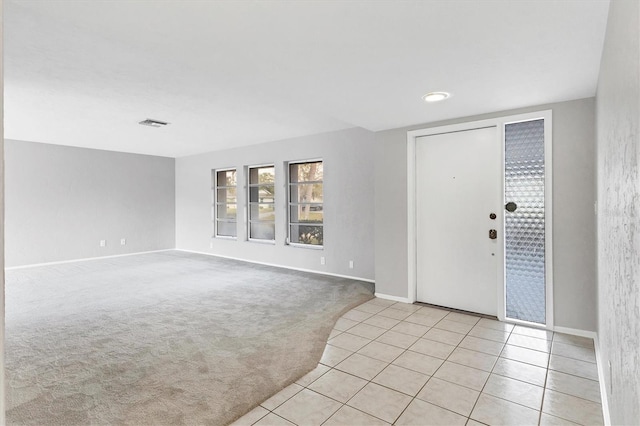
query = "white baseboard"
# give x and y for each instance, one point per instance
(599, 364)
(60, 262)
(576, 332)
(603, 384)
(280, 266)
(394, 298)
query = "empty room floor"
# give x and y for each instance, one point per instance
(162, 338)
(396, 363)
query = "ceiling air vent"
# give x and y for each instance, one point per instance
(153, 123)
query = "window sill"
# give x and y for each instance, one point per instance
(307, 246)
(225, 237)
(256, 240)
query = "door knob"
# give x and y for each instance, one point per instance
(493, 234)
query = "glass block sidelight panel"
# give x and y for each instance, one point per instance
(524, 228)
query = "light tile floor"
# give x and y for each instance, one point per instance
(396, 363)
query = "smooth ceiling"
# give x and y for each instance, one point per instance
(235, 73)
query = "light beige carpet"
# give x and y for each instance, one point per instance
(163, 338)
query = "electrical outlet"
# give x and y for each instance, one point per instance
(351, 264)
(322, 261)
(103, 243)
(123, 241)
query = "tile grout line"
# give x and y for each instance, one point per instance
(434, 373)
(436, 370)
(493, 368)
(422, 336)
(353, 375)
(447, 359)
(413, 398)
(544, 388)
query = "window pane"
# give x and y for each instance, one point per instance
(262, 212)
(226, 211)
(261, 194)
(261, 175)
(226, 178)
(306, 193)
(226, 199)
(227, 195)
(308, 213)
(305, 203)
(266, 193)
(262, 230)
(227, 229)
(261, 207)
(304, 172)
(306, 234)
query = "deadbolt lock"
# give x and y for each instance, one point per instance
(492, 216)
(493, 234)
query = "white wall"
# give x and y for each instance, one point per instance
(573, 215)
(348, 202)
(61, 201)
(2, 251)
(618, 142)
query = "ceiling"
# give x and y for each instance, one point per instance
(234, 73)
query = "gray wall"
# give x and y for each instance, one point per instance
(573, 210)
(2, 251)
(618, 142)
(348, 202)
(61, 201)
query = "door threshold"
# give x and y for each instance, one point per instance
(460, 311)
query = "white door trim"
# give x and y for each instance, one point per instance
(411, 202)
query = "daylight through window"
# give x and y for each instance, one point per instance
(261, 203)
(226, 203)
(306, 214)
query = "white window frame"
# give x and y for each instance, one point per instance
(249, 186)
(289, 203)
(215, 203)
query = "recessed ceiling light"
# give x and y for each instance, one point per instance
(436, 96)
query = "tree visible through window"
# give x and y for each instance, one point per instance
(226, 203)
(306, 215)
(261, 203)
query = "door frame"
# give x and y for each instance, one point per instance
(499, 123)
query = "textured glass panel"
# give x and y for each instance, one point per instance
(524, 228)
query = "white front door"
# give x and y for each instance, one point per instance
(458, 188)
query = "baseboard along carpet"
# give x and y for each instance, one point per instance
(162, 338)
